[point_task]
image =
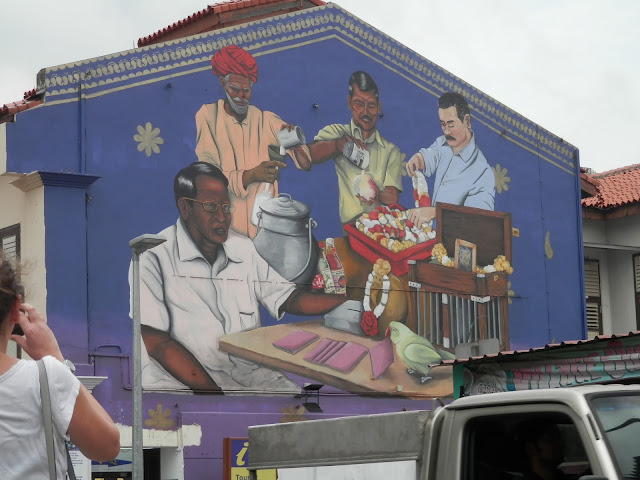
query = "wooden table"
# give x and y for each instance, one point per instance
(256, 345)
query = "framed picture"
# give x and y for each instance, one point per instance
(465, 255)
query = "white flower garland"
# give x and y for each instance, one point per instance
(420, 186)
(366, 302)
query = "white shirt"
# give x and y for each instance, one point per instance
(197, 303)
(23, 451)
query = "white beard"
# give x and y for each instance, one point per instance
(239, 109)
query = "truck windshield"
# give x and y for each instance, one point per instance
(619, 418)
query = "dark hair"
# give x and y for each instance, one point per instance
(364, 82)
(451, 99)
(10, 286)
(184, 185)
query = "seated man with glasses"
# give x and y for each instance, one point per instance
(207, 281)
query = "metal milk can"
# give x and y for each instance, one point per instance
(285, 239)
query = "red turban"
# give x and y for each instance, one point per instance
(234, 59)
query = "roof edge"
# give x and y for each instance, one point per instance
(227, 13)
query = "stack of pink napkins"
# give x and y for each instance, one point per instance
(295, 341)
(336, 354)
(342, 356)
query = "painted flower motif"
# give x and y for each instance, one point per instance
(510, 293)
(501, 178)
(159, 418)
(292, 413)
(148, 139)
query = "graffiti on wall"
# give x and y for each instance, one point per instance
(599, 361)
(366, 319)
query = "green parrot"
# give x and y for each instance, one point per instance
(415, 351)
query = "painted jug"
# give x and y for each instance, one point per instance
(285, 239)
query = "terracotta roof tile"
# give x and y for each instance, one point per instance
(615, 188)
(30, 100)
(214, 9)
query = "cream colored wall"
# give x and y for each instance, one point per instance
(27, 209)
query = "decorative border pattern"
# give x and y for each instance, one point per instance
(193, 53)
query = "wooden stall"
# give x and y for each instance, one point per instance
(453, 305)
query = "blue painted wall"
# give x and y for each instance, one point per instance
(303, 59)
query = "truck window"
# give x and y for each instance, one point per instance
(509, 447)
(619, 420)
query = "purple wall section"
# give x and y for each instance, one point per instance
(304, 59)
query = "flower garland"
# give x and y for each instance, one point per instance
(369, 319)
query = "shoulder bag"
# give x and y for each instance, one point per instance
(48, 425)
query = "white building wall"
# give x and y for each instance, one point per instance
(594, 231)
(3, 148)
(616, 269)
(624, 231)
(622, 297)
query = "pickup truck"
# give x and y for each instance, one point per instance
(471, 438)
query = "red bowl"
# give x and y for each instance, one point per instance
(372, 250)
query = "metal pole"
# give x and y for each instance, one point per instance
(138, 246)
(136, 424)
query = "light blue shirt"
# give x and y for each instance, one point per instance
(462, 179)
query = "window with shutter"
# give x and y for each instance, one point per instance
(636, 276)
(592, 291)
(636, 271)
(10, 238)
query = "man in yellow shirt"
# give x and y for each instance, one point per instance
(385, 164)
(235, 136)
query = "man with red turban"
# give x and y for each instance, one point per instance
(235, 136)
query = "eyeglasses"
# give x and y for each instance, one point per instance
(212, 207)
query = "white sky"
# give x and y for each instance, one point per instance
(572, 66)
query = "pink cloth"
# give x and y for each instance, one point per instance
(235, 147)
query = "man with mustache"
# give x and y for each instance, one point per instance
(385, 159)
(235, 136)
(462, 174)
(204, 282)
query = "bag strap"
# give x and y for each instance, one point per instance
(71, 473)
(46, 413)
(48, 425)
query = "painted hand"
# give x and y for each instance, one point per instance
(420, 216)
(416, 162)
(267, 171)
(340, 142)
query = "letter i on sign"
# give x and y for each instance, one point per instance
(240, 457)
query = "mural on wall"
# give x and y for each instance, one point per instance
(235, 136)
(368, 167)
(378, 324)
